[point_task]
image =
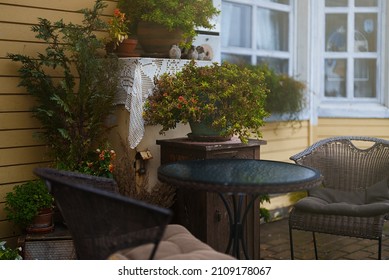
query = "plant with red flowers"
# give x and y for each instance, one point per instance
(99, 163)
(229, 97)
(118, 27)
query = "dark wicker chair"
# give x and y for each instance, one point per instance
(102, 222)
(354, 198)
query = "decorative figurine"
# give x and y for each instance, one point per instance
(175, 52)
(192, 53)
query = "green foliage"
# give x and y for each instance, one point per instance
(9, 253)
(71, 107)
(263, 212)
(183, 14)
(286, 94)
(26, 200)
(229, 97)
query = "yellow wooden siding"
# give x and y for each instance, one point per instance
(284, 140)
(20, 151)
(330, 127)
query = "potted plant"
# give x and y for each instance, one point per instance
(30, 205)
(74, 84)
(161, 24)
(286, 94)
(118, 32)
(229, 98)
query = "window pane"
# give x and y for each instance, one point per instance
(286, 2)
(237, 59)
(336, 33)
(365, 32)
(365, 78)
(272, 30)
(336, 3)
(236, 25)
(279, 65)
(335, 77)
(366, 3)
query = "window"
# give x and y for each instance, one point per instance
(351, 50)
(257, 31)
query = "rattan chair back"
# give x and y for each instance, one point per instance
(100, 221)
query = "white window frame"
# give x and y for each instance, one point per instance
(348, 107)
(253, 52)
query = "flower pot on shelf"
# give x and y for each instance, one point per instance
(127, 48)
(156, 40)
(204, 132)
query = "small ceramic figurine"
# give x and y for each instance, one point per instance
(175, 52)
(192, 53)
(201, 53)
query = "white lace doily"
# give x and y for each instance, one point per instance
(137, 82)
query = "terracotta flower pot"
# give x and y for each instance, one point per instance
(127, 48)
(43, 222)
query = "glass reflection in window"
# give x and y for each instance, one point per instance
(272, 30)
(335, 77)
(236, 25)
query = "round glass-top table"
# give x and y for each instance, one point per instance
(237, 178)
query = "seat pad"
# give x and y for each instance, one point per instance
(177, 244)
(374, 201)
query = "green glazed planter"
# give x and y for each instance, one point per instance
(204, 132)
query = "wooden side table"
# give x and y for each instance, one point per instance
(203, 213)
(56, 245)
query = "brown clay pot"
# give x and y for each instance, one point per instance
(42, 223)
(156, 40)
(127, 48)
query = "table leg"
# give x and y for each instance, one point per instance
(237, 216)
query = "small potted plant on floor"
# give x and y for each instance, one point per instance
(30, 205)
(224, 97)
(160, 24)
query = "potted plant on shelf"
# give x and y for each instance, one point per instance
(286, 94)
(161, 24)
(120, 43)
(30, 205)
(224, 97)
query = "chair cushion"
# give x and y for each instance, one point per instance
(177, 244)
(374, 201)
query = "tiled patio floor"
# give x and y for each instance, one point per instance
(275, 244)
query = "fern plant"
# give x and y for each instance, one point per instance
(73, 84)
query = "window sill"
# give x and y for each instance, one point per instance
(353, 110)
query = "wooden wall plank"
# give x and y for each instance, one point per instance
(9, 85)
(19, 173)
(16, 103)
(19, 138)
(25, 120)
(8, 229)
(4, 189)
(283, 140)
(330, 127)
(29, 15)
(68, 5)
(23, 155)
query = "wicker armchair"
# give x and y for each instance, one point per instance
(354, 198)
(107, 225)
